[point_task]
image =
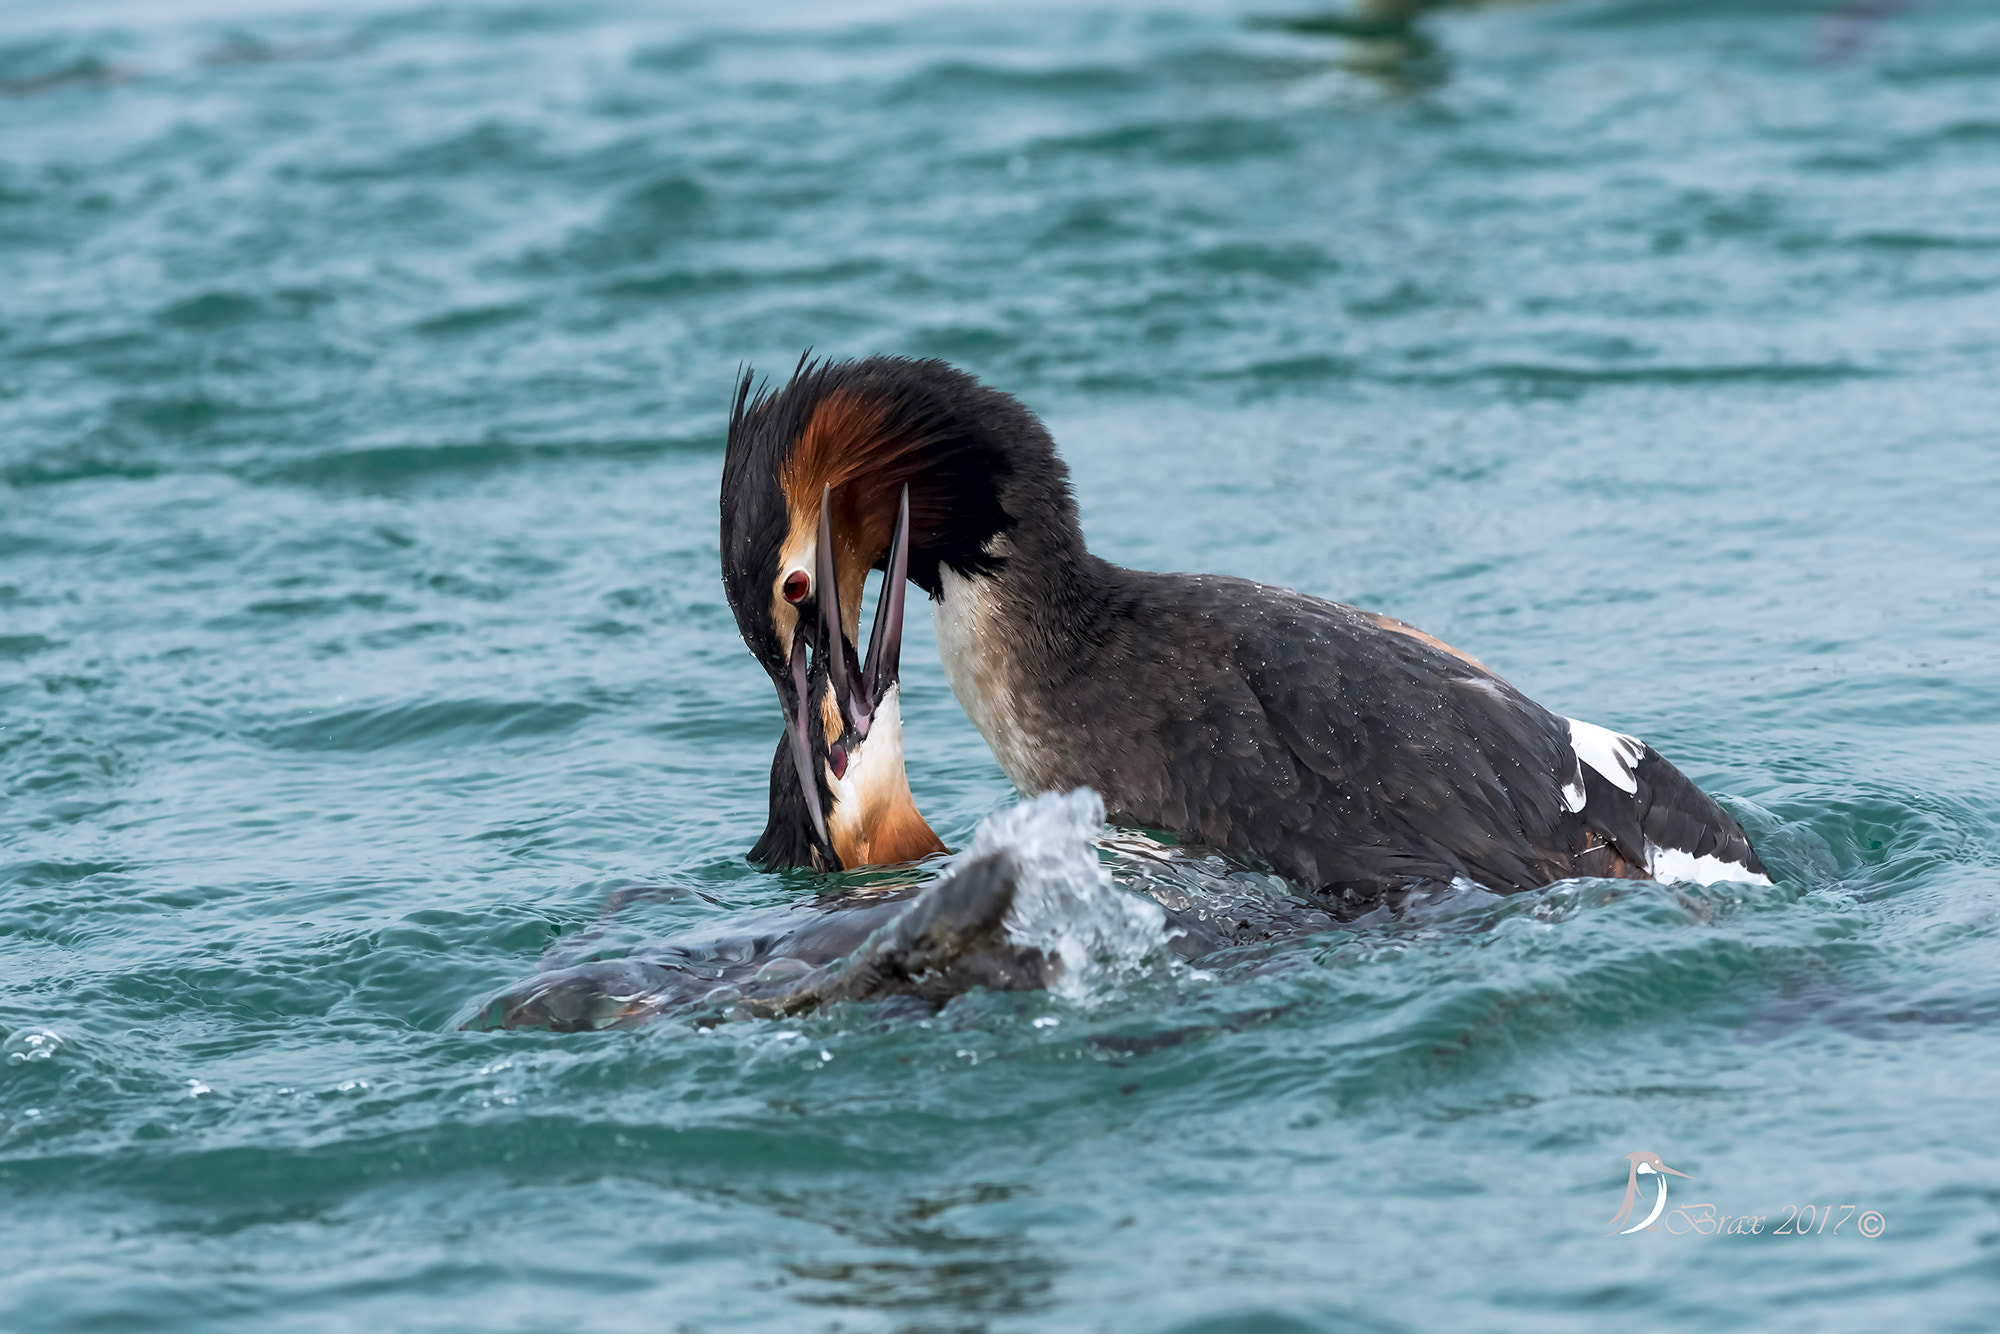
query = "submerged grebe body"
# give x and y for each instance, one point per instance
(1355, 754)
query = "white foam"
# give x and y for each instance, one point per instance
(1065, 904)
(1674, 865)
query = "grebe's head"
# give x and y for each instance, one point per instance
(846, 441)
(839, 796)
(910, 467)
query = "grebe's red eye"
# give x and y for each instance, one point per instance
(797, 585)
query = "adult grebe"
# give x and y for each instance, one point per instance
(1354, 753)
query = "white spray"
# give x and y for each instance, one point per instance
(1066, 904)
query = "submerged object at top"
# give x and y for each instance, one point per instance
(1028, 905)
(929, 944)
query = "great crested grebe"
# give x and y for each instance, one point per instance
(1355, 754)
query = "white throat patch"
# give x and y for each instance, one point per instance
(874, 770)
(979, 664)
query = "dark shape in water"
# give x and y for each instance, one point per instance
(246, 48)
(1850, 29)
(1383, 36)
(1368, 22)
(89, 72)
(930, 943)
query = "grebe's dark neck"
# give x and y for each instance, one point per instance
(996, 503)
(1007, 545)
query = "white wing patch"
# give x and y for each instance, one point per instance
(1616, 756)
(1672, 864)
(1612, 754)
(1573, 792)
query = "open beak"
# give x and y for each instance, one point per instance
(796, 706)
(858, 683)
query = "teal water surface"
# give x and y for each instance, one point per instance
(363, 371)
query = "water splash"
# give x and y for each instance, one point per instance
(31, 1044)
(1208, 896)
(1066, 904)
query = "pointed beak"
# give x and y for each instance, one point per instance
(841, 667)
(1665, 1168)
(860, 683)
(885, 637)
(797, 707)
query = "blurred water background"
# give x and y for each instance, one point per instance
(363, 371)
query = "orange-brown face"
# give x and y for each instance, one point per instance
(844, 458)
(862, 435)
